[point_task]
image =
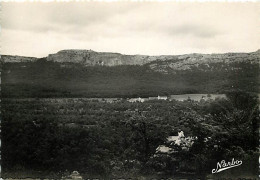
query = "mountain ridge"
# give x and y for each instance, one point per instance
(174, 62)
(61, 76)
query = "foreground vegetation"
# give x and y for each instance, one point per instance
(52, 138)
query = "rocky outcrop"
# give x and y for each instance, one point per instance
(90, 58)
(181, 62)
(157, 63)
(185, 62)
(6, 58)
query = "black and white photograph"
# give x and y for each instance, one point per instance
(129, 90)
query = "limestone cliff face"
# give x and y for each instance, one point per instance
(90, 58)
(6, 58)
(157, 63)
(181, 62)
(185, 62)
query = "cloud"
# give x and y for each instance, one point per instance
(194, 30)
(59, 16)
(37, 29)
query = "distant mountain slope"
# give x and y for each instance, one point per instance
(189, 61)
(16, 59)
(65, 74)
(90, 58)
(175, 62)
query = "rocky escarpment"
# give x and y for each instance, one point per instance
(174, 62)
(6, 58)
(90, 58)
(186, 62)
(157, 63)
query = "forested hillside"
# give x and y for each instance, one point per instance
(52, 79)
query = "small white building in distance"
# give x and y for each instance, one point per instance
(180, 140)
(162, 97)
(74, 175)
(136, 100)
(176, 139)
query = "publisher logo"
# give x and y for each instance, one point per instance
(223, 165)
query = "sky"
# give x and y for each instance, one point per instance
(149, 28)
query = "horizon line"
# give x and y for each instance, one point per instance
(129, 54)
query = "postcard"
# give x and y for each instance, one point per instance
(149, 90)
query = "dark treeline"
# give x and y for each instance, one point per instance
(49, 79)
(49, 138)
